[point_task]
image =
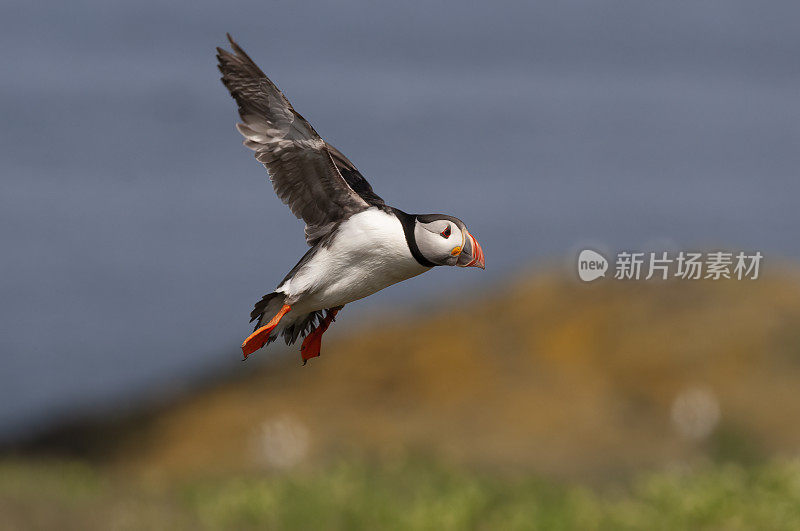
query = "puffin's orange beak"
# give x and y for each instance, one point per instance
(472, 255)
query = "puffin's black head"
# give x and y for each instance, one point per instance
(445, 240)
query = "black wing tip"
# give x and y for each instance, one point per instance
(237, 60)
(224, 55)
(222, 52)
(224, 58)
(235, 47)
(240, 53)
(231, 42)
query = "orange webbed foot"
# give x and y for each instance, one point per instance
(259, 338)
(313, 341)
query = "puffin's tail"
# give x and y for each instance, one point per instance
(269, 313)
(296, 326)
(269, 309)
(265, 309)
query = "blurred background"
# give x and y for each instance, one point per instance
(137, 233)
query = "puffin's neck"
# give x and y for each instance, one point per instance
(408, 222)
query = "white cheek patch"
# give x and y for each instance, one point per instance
(435, 247)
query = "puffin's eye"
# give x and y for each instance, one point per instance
(446, 232)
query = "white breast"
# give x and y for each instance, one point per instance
(368, 253)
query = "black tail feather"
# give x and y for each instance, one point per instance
(261, 307)
(269, 305)
(302, 328)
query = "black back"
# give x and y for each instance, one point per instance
(354, 179)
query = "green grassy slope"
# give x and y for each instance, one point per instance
(400, 495)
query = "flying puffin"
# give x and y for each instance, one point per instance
(359, 244)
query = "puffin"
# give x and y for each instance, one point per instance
(358, 244)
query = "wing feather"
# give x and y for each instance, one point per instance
(300, 165)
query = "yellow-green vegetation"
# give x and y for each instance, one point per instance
(544, 404)
(544, 374)
(401, 495)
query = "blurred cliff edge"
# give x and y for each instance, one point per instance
(543, 375)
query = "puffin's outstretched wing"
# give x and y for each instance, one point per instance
(300, 164)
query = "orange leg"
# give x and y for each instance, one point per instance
(259, 338)
(313, 341)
